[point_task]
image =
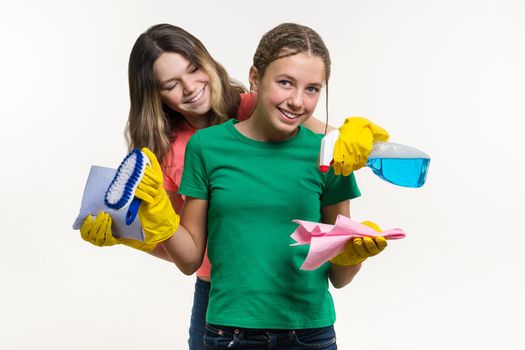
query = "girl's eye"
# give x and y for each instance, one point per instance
(170, 86)
(284, 83)
(194, 69)
(312, 89)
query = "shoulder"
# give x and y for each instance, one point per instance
(246, 106)
(311, 137)
(211, 133)
(316, 125)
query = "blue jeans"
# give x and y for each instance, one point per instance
(198, 315)
(219, 337)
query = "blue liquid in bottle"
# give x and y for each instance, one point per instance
(399, 164)
(406, 172)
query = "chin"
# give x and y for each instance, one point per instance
(286, 129)
(290, 125)
(202, 109)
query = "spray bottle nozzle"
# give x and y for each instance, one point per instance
(326, 154)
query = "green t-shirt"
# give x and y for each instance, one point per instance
(255, 189)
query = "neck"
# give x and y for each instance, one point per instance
(258, 128)
(198, 121)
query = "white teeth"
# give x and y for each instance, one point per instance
(196, 98)
(288, 114)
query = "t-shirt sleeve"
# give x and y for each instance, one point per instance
(194, 181)
(169, 184)
(339, 188)
(247, 105)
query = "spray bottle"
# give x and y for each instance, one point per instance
(398, 164)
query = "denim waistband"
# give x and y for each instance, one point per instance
(200, 283)
(265, 331)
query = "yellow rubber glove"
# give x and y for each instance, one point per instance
(359, 249)
(157, 217)
(356, 138)
(98, 232)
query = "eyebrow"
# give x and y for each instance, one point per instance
(289, 77)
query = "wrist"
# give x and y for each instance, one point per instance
(344, 260)
(145, 247)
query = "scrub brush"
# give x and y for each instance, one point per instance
(121, 192)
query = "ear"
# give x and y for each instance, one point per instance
(253, 77)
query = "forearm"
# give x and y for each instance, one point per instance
(160, 252)
(340, 276)
(182, 236)
(184, 250)
(316, 125)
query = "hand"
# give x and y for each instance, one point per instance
(98, 232)
(157, 216)
(359, 249)
(356, 138)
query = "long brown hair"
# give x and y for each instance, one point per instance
(288, 39)
(150, 121)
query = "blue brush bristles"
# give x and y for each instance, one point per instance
(121, 191)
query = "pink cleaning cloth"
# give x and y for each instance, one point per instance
(327, 241)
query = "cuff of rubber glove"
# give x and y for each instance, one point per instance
(145, 247)
(171, 228)
(341, 260)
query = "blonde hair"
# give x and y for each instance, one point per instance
(150, 121)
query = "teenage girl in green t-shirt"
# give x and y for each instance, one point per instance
(291, 65)
(168, 67)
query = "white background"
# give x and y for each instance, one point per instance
(445, 76)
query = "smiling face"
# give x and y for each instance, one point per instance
(287, 93)
(184, 87)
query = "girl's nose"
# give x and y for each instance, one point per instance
(296, 99)
(188, 86)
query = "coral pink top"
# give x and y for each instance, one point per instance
(173, 168)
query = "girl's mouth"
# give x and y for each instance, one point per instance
(198, 97)
(289, 115)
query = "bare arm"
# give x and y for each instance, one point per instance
(187, 246)
(339, 276)
(316, 125)
(176, 202)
